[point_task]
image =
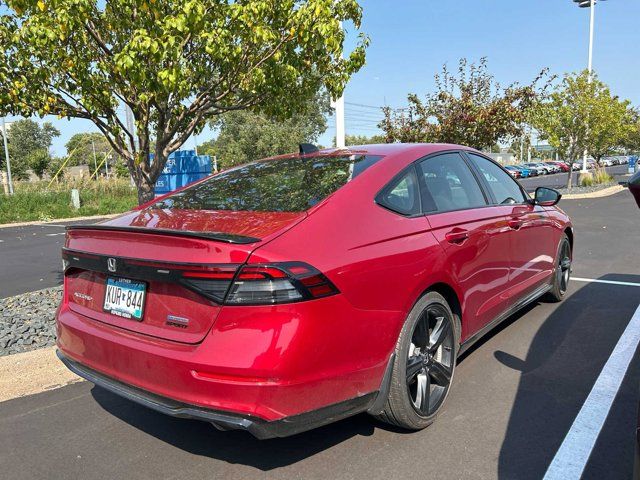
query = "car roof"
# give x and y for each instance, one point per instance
(396, 148)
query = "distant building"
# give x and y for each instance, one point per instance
(503, 158)
(79, 171)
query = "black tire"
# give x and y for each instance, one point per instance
(427, 368)
(562, 271)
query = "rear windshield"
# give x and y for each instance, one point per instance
(282, 185)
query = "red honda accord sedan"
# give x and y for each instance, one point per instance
(291, 292)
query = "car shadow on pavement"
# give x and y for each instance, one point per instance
(235, 447)
(564, 359)
(563, 362)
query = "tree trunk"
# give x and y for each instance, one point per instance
(145, 175)
(145, 190)
(570, 177)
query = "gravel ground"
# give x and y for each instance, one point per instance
(591, 189)
(27, 320)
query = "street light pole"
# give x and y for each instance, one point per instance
(6, 155)
(592, 5)
(593, 14)
(590, 65)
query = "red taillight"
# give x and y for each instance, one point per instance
(278, 283)
(213, 282)
(232, 284)
(262, 272)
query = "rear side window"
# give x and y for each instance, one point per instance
(402, 195)
(282, 185)
(450, 184)
(504, 188)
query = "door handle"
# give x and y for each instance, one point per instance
(515, 224)
(457, 236)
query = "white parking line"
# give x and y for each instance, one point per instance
(55, 234)
(610, 282)
(573, 454)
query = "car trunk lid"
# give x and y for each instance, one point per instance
(164, 255)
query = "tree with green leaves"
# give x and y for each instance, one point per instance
(631, 142)
(469, 108)
(27, 140)
(244, 136)
(363, 139)
(581, 115)
(175, 63)
(81, 146)
(39, 161)
(609, 123)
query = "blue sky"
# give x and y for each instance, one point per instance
(411, 39)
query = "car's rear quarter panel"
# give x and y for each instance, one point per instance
(380, 261)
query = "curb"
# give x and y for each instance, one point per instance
(41, 371)
(605, 192)
(58, 220)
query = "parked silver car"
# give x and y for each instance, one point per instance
(537, 167)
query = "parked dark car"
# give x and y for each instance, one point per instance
(634, 187)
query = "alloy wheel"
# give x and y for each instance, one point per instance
(430, 360)
(564, 267)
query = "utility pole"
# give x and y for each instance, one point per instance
(6, 155)
(95, 162)
(339, 106)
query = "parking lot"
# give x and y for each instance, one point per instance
(559, 180)
(514, 399)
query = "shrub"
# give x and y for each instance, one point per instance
(598, 177)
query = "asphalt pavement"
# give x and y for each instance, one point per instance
(30, 257)
(514, 398)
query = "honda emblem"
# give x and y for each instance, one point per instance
(111, 264)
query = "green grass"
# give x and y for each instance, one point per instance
(33, 201)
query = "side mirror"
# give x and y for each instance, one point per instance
(546, 197)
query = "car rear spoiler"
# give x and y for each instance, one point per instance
(217, 236)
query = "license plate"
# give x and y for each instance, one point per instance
(124, 297)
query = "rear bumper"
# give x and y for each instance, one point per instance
(258, 427)
(257, 365)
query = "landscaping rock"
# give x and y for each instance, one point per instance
(27, 320)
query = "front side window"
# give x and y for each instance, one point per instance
(292, 184)
(504, 188)
(450, 184)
